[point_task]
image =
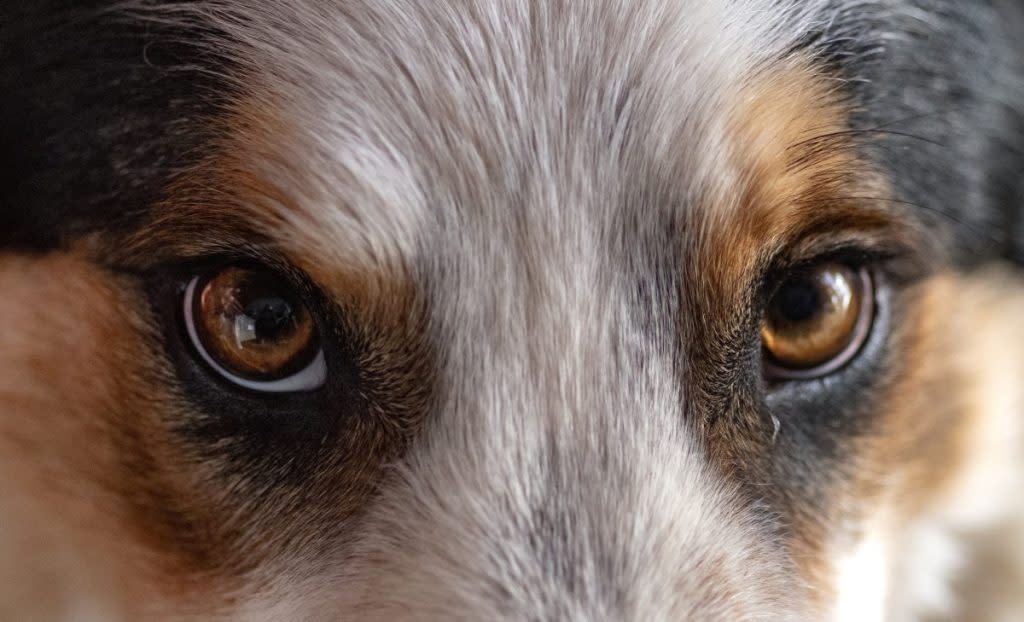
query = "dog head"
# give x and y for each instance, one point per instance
(510, 310)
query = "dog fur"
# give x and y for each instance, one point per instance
(538, 236)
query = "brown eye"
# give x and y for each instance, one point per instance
(817, 320)
(255, 330)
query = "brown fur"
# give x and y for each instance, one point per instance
(92, 493)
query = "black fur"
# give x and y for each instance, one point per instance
(938, 88)
(98, 113)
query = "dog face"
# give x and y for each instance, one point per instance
(511, 310)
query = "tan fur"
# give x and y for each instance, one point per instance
(93, 508)
(796, 179)
(797, 184)
(948, 462)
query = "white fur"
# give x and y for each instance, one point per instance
(862, 582)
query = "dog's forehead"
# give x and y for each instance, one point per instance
(367, 133)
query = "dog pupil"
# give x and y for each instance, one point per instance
(271, 317)
(798, 301)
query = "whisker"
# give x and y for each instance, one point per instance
(857, 132)
(980, 234)
(915, 117)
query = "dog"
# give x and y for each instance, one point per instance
(512, 310)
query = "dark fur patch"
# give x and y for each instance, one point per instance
(937, 89)
(100, 110)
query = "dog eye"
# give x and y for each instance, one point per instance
(817, 320)
(254, 329)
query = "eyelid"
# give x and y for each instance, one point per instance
(313, 376)
(782, 265)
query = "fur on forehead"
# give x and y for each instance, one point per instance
(360, 123)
